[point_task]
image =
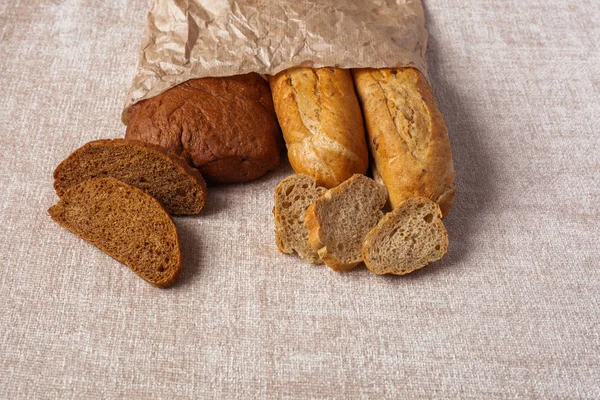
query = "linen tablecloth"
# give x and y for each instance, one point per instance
(511, 311)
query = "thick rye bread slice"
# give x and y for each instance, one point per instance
(406, 239)
(180, 188)
(292, 197)
(339, 220)
(125, 222)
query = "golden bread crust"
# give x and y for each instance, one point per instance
(407, 135)
(321, 122)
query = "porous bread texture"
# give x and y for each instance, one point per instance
(180, 188)
(339, 220)
(292, 197)
(406, 239)
(125, 222)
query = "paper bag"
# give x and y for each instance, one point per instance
(186, 39)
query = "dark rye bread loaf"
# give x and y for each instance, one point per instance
(227, 126)
(125, 222)
(166, 177)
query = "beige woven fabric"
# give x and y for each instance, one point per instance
(512, 311)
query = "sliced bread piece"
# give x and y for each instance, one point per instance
(406, 239)
(125, 222)
(339, 220)
(292, 197)
(180, 188)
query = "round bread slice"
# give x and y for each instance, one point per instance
(406, 239)
(179, 187)
(339, 220)
(125, 222)
(292, 197)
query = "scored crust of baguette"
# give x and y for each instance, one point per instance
(292, 197)
(406, 239)
(339, 220)
(126, 223)
(168, 178)
(321, 122)
(407, 135)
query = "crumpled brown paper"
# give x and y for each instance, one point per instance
(186, 39)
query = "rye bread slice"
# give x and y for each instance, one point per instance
(292, 197)
(125, 222)
(406, 239)
(180, 188)
(339, 220)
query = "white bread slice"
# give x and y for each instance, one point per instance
(292, 197)
(406, 239)
(339, 220)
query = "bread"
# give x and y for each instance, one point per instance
(407, 135)
(321, 122)
(126, 223)
(406, 239)
(339, 220)
(166, 177)
(226, 126)
(292, 197)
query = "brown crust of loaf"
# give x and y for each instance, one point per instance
(227, 126)
(57, 212)
(321, 122)
(407, 135)
(176, 161)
